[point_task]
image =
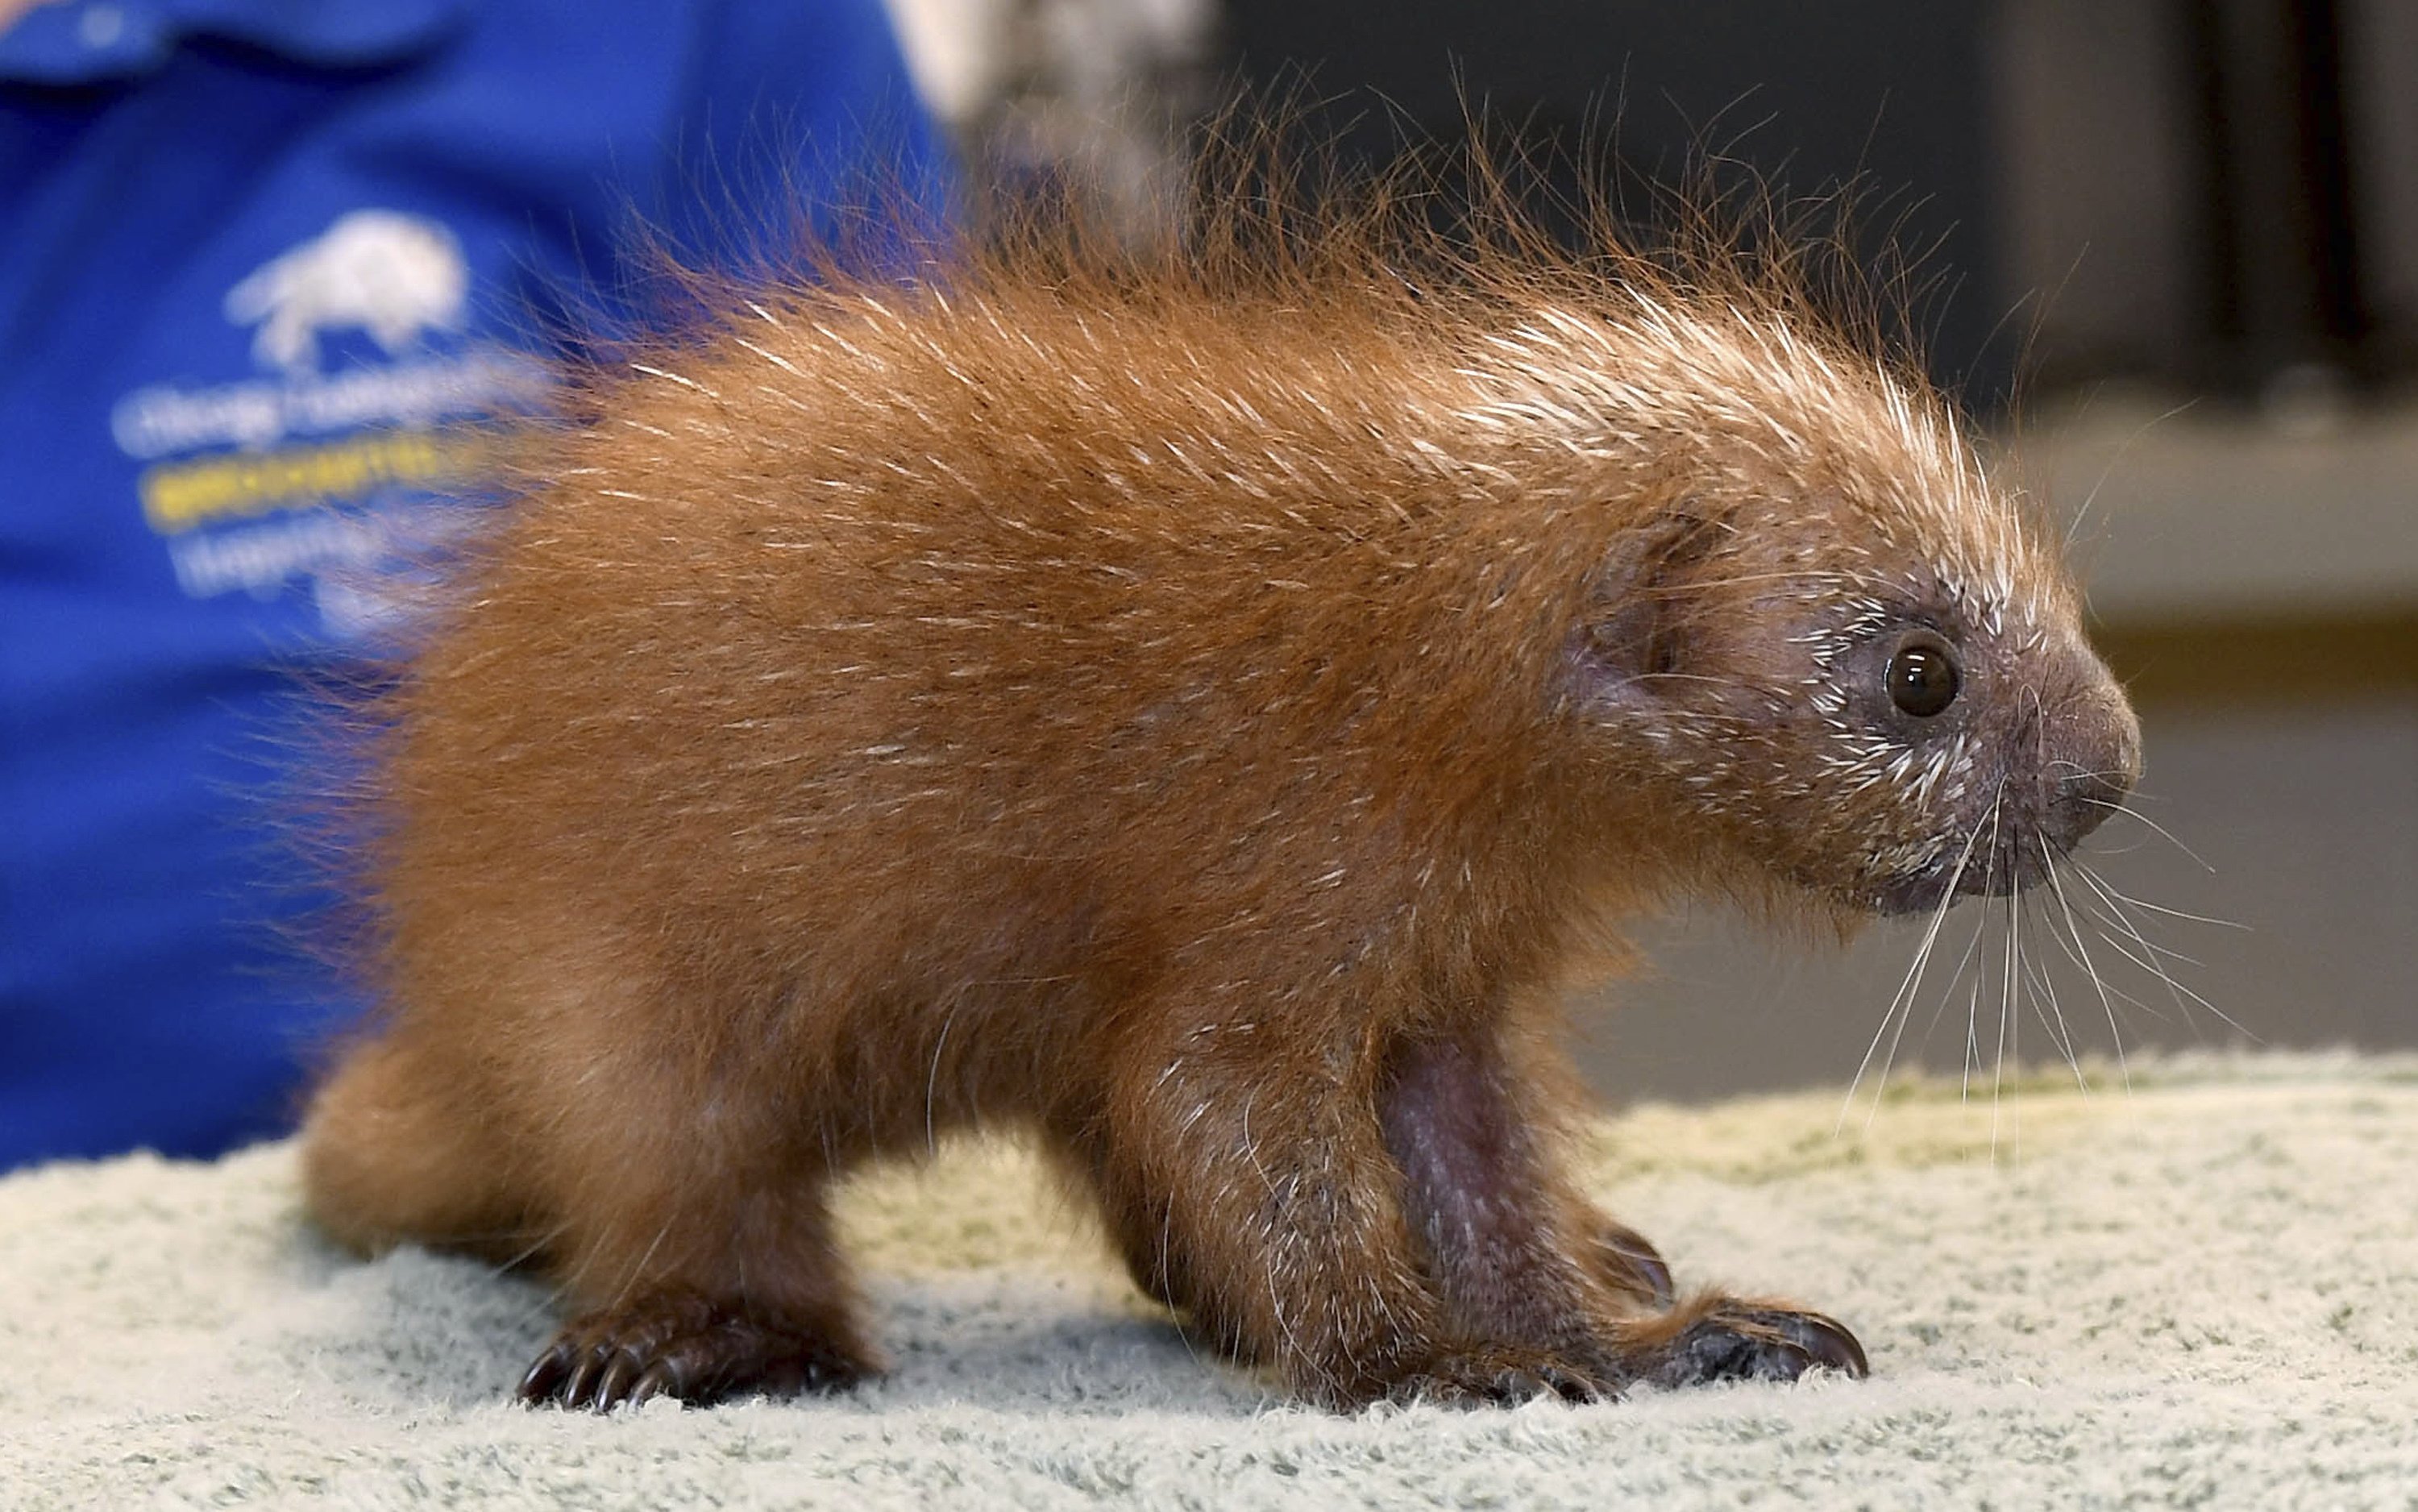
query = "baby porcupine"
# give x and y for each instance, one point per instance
(1190, 710)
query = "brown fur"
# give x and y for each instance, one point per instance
(1194, 712)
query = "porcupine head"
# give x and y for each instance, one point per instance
(1836, 655)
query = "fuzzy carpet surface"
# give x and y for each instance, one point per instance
(2203, 1292)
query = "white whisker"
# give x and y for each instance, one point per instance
(2171, 913)
(1972, 948)
(1901, 1004)
(2150, 959)
(2006, 989)
(2164, 834)
(2090, 969)
(2113, 906)
(2042, 990)
(2074, 529)
(2007, 1032)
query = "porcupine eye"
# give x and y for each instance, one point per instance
(1922, 677)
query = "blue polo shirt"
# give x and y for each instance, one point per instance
(260, 261)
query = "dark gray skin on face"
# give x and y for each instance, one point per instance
(1881, 736)
(2056, 752)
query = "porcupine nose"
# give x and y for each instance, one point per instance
(2093, 765)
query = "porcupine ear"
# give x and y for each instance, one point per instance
(1636, 642)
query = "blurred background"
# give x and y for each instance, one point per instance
(2169, 251)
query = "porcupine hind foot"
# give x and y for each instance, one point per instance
(702, 1289)
(679, 1344)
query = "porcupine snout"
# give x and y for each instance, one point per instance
(2090, 759)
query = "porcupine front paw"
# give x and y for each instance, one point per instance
(1728, 1340)
(1724, 1340)
(681, 1344)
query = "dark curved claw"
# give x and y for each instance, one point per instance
(620, 1373)
(1828, 1342)
(548, 1371)
(1633, 1265)
(662, 1379)
(581, 1389)
(684, 1347)
(1738, 1343)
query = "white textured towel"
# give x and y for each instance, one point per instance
(2202, 1292)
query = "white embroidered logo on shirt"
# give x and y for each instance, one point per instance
(395, 276)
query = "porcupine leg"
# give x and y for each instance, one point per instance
(1527, 1268)
(391, 1153)
(703, 1288)
(1137, 1223)
(1262, 1201)
(1247, 1181)
(1142, 1226)
(1622, 1259)
(696, 1248)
